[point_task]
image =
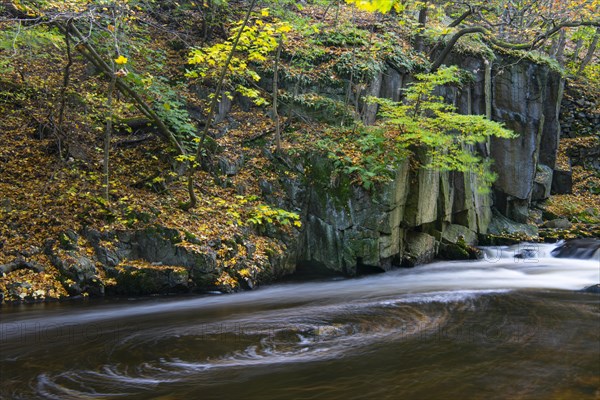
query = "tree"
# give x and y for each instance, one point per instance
(251, 42)
(509, 24)
(95, 18)
(590, 53)
(425, 121)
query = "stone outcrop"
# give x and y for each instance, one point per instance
(526, 97)
(402, 222)
(148, 261)
(422, 214)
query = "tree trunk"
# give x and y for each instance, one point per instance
(442, 57)
(419, 40)
(63, 89)
(590, 53)
(88, 51)
(275, 90)
(107, 135)
(487, 89)
(213, 107)
(578, 46)
(560, 53)
(558, 47)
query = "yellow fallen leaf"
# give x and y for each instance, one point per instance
(121, 60)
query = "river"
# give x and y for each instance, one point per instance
(498, 328)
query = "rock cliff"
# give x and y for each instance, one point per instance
(422, 214)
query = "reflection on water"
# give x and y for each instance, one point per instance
(504, 327)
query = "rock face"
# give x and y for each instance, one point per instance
(526, 98)
(421, 213)
(347, 225)
(399, 223)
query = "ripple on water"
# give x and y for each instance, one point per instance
(155, 356)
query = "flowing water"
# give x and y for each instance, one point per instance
(499, 328)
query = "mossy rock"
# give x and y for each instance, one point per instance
(134, 280)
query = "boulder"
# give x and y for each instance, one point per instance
(420, 249)
(542, 183)
(456, 233)
(231, 167)
(562, 182)
(592, 289)
(502, 225)
(78, 272)
(559, 223)
(460, 251)
(586, 249)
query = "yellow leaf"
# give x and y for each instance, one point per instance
(264, 12)
(284, 28)
(121, 60)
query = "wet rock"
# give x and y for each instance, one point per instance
(586, 249)
(527, 254)
(592, 289)
(458, 252)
